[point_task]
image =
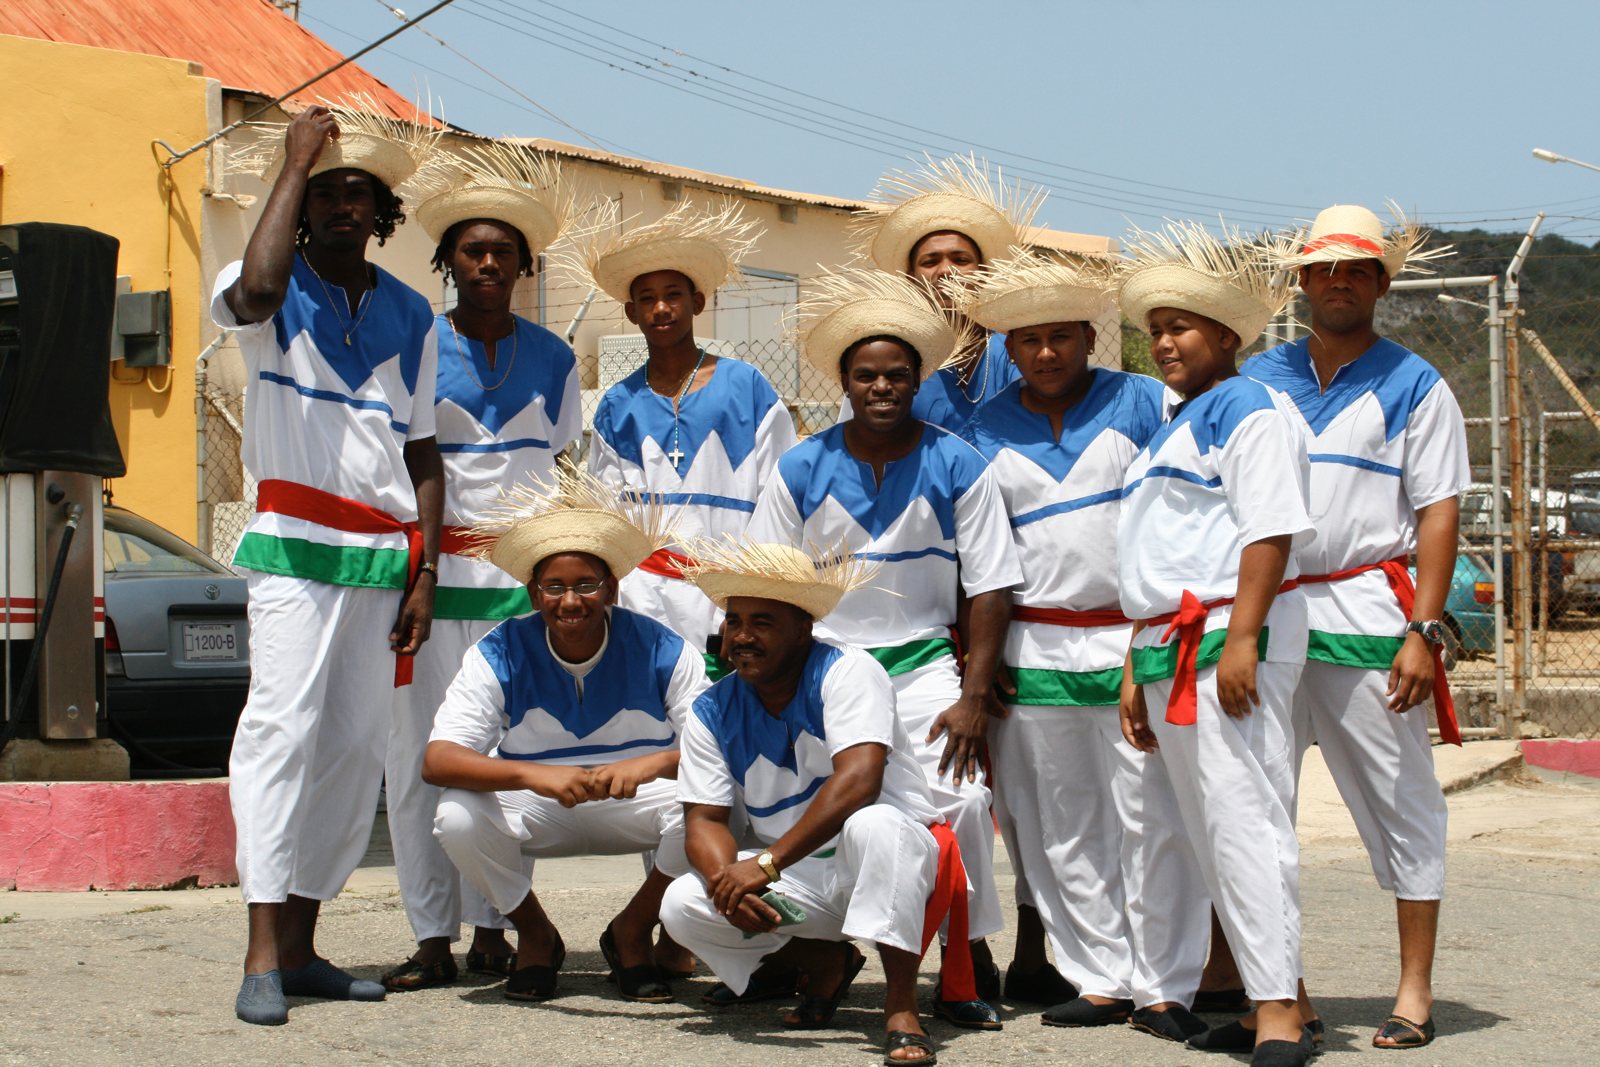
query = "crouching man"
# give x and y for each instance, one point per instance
(559, 736)
(804, 738)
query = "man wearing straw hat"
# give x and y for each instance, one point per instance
(506, 404)
(339, 435)
(1070, 792)
(1388, 460)
(694, 430)
(924, 503)
(1213, 509)
(948, 219)
(559, 736)
(804, 738)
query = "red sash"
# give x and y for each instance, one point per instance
(456, 540)
(1068, 617)
(339, 513)
(949, 897)
(1190, 622)
(666, 563)
(1405, 592)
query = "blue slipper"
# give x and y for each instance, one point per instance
(260, 1000)
(319, 978)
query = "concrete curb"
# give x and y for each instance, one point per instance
(1475, 763)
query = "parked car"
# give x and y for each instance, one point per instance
(177, 649)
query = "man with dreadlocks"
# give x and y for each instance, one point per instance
(506, 404)
(341, 553)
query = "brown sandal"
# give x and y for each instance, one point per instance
(412, 975)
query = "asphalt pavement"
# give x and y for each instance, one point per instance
(92, 978)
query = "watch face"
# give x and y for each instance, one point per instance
(1432, 632)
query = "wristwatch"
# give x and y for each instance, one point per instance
(769, 866)
(1432, 630)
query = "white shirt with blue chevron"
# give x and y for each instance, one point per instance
(515, 699)
(333, 416)
(937, 506)
(1227, 469)
(1064, 496)
(1385, 438)
(736, 752)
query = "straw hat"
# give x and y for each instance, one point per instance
(1349, 231)
(949, 194)
(578, 513)
(705, 246)
(508, 183)
(813, 581)
(1029, 290)
(389, 149)
(848, 305)
(1237, 283)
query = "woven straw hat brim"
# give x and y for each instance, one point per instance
(1347, 232)
(705, 264)
(929, 334)
(909, 223)
(598, 533)
(1393, 262)
(388, 161)
(1037, 305)
(1173, 285)
(535, 221)
(813, 598)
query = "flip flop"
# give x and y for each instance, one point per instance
(538, 981)
(491, 962)
(1404, 1033)
(899, 1039)
(816, 1012)
(412, 975)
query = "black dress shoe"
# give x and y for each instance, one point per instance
(1042, 986)
(1081, 1012)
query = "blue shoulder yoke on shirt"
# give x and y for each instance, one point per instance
(732, 405)
(743, 727)
(1396, 376)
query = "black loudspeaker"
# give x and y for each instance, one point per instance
(58, 294)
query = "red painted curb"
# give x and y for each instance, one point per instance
(1571, 757)
(73, 836)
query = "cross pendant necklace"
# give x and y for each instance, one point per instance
(677, 453)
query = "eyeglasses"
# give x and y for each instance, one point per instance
(557, 590)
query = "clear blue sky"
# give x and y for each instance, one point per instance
(1127, 110)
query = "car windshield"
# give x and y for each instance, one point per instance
(138, 546)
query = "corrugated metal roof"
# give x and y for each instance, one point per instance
(245, 44)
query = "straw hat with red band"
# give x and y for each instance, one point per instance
(1348, 231)
(813, 581)
(850, 305)
(577, 512)
(704, 246)
(1236, 282)
(960, 194)
(1029, 290)
(390, 149)
(512, 184)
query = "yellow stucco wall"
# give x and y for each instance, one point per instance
(75, 144)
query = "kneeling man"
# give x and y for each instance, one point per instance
(559, 736)
(804, 738)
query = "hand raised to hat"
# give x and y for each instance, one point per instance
(308, 132)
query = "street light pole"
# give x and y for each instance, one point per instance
(1556, 157)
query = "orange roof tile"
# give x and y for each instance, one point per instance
(244, 44)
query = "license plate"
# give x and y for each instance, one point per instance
(204, 641)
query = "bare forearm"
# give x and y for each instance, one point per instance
(988, 620)
(426, 468)
(1437, 534)
(1261, 567)
(269, 257)
(709, 845)
(453, 766)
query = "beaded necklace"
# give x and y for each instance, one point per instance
(677, 453)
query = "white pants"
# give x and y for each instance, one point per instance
(493, 838)
(1383, 765)
(920, 696)
(308, 753)
(1119, 893)
(434, 893)
(873, 888)
(676, 604)
(1233, 780)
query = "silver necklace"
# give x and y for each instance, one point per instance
(362, 306)
(972, 370)
(677, 453)
(466, 361)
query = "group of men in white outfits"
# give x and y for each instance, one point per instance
(1142, 604)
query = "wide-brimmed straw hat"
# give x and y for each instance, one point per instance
(576, 513)
(513, 184)
(848, 305)
(1236, 281)
(958, 194)
(389, 149)
(1030, 290)
(1349, 231)
(704, 246)
(813, 581)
